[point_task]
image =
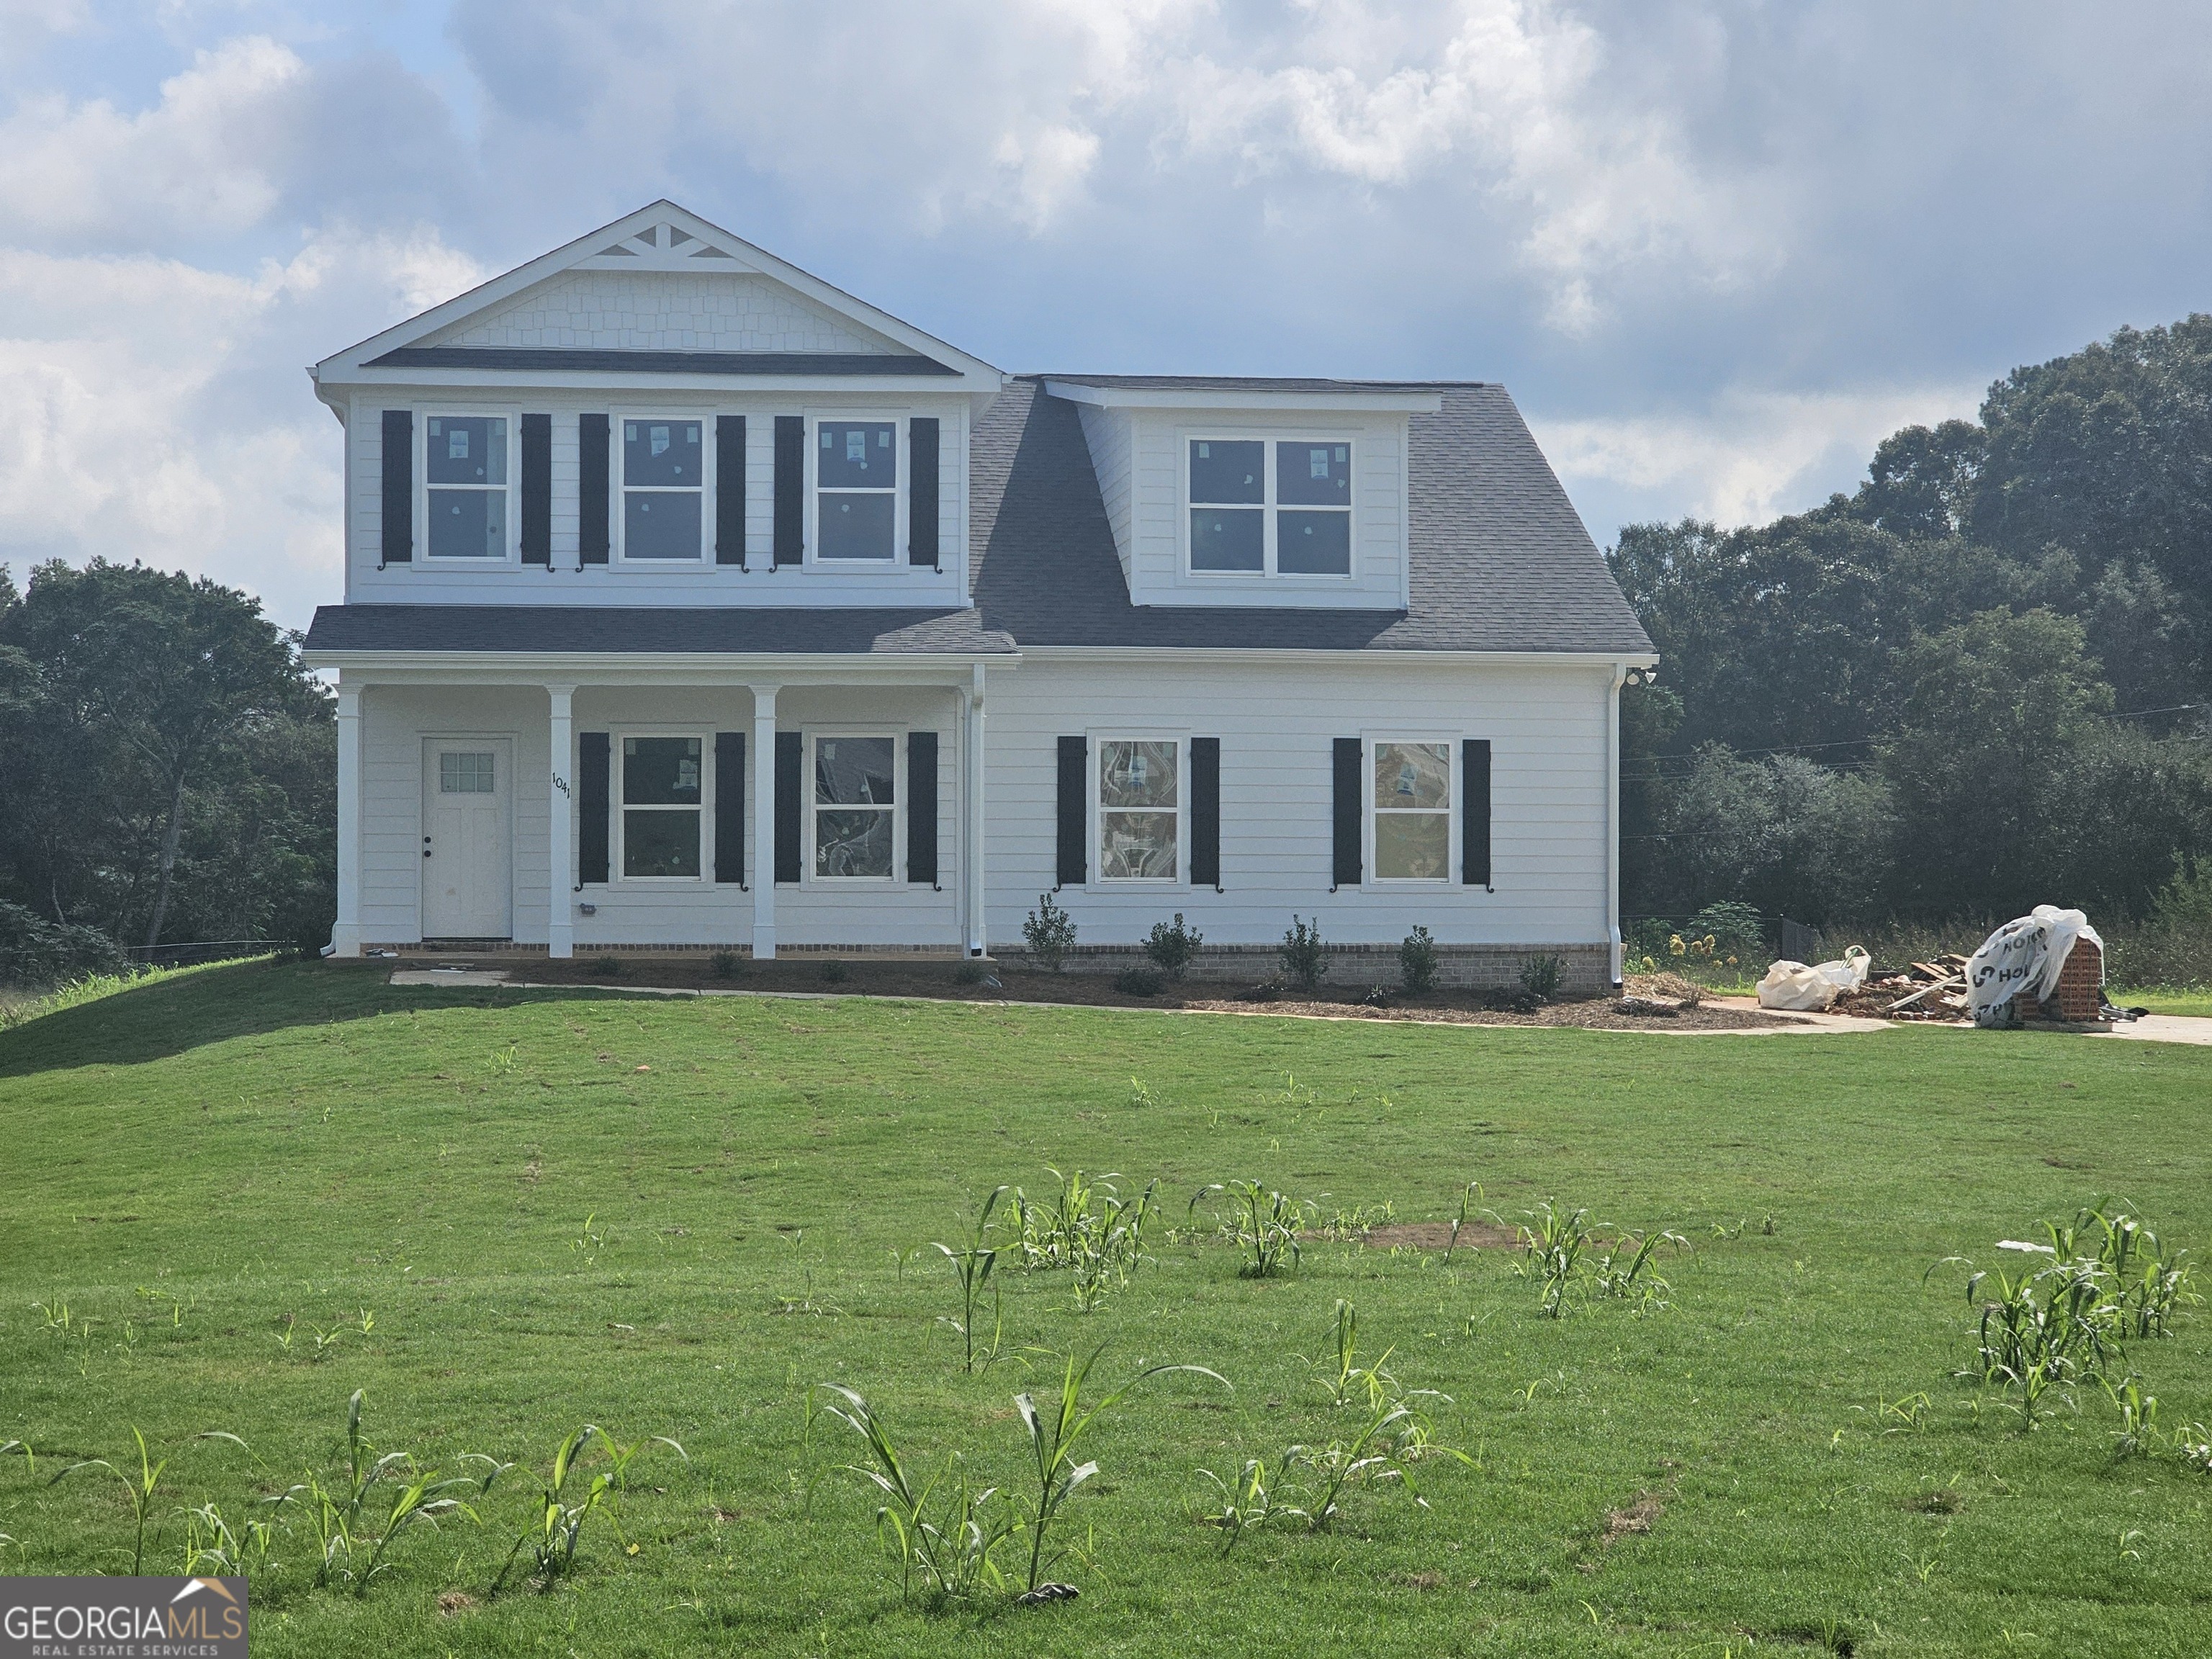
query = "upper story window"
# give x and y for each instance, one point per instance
(464, 483)
(1262, 508)
(663, 479)
(1139, 809)
(1412, 811)
(854, 804)
(856, 489)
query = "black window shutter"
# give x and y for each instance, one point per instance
(1073, 869)
(591, 808)
(538, 489)
(790, 784)
(1205, 812)
(591, 490)
(398, 486)
(1346, 869)
(921, 807)
(730, 490)
(790, 492)
(1474, 819)
(921, 492)
(730, 806)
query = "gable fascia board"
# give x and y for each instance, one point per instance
(347, 365)
(1362, 656)
(1350, 400)
(903, 389)
(609, 668)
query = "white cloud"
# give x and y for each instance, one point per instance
(1747, 456)
(153, 410)
(205, 161)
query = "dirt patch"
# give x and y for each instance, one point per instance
(957, 982)
(1637, 1517)
(1437, 1236)
(1422, 1581)
(453, 1602)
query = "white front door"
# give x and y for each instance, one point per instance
(467, 880)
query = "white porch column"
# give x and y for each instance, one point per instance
(764, 871)
(1613, 822)
(345, 935)
(561, 858)
(978, 944)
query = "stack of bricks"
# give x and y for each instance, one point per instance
(2080, 992)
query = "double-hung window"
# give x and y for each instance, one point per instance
(1279, 508)
(856, 489)
(661, 797)
(664, 483)
(1139, 809)
(1412, 811)
(855, 802)
(465, 486)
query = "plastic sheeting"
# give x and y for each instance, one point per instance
(1795, 987)
(2023, 956)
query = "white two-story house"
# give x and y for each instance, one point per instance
(691, 602)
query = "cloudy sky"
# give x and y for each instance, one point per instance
(1717, 248)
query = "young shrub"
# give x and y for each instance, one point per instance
(1172, 946)
(1541, 976)
(725, 965)
(969, 973)
(1417, 963)
(1049, 932)
(834, 972)
(1305, 956)
(1139, 983)
(607, 966)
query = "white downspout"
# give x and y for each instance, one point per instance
(1613, 821)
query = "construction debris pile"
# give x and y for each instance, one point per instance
(1927, 990)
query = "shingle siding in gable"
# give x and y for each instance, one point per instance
(660, 311)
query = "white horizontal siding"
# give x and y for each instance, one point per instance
(1548, 730)
(1547, 727)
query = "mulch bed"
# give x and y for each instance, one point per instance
(942, 979)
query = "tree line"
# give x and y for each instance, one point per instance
(167, 770)
(1978, 683)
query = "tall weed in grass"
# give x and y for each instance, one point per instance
(1089, 1228)
(942, 1528)
(1342, 1374)
(1552, 1241)
(354, 1527)
(554, 1536)
(971, 1264)
(1622, 1271)
(1054, 1432)
(1261, 1222)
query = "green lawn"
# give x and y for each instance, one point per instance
(2195, 1004)
(547, 1232)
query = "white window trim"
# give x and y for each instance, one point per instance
(808, 876)
(618, 831)
(1268, 506)
(1454, 804)
(902, 493)
(512, 416)
(618, 529)
(1094, 856)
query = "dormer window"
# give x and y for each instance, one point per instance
(663, 479)
(1275, 509)
(465, 486)
(856, 489)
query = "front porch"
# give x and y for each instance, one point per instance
(586, 809)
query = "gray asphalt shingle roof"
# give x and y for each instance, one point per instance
(1500, 562)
